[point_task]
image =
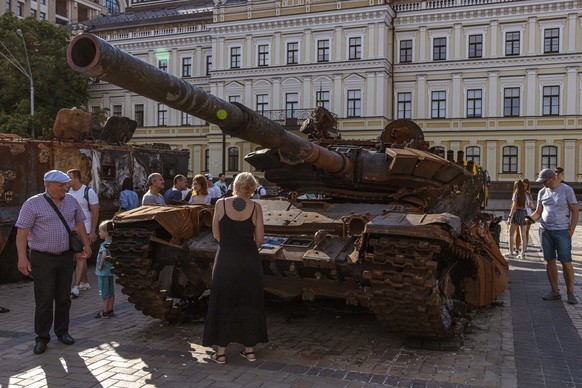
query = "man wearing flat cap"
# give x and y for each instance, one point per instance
(44, 253)
(557, 210)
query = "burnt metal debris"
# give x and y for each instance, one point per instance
(103, 165)
(392, 227)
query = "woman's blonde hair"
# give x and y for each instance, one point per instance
(244, 183)
(201, 180)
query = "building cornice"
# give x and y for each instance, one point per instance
(312, 21)
(327, 68)
(497, 10)
(571, 60)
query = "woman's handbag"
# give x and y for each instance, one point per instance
(75, 243)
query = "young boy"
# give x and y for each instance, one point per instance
(104, 275)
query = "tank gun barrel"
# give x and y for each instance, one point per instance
(92, 56)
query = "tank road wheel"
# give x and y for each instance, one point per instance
(132, 265)
(409, 294)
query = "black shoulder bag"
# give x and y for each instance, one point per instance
(75, 243)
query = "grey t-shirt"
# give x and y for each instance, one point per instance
(556, 213)
(151, 199)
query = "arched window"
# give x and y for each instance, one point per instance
(549, 157)
(112, 6)
(473, 153)
(509, 160)
(233, 159)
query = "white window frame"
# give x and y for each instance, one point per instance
(440, 34)
(547, 25)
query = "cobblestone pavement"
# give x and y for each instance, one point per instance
(519, 341)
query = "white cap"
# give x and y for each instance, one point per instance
(209, 176)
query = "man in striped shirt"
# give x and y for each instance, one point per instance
(43, 248)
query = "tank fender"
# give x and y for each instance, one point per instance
(406, 223)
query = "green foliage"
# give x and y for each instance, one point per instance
(99, 116)
(56, 86)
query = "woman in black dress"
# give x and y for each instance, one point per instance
(236, 308)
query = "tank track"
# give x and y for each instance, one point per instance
(408, 295)
(133, 267)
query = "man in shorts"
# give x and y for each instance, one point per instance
(557, 210)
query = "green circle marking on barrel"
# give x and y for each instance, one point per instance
(221, 114)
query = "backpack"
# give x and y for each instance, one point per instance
(259, 192)
(85, 194)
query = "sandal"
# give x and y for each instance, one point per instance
(247, 354)
(218, 358)
(102, 315)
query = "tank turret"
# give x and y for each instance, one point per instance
(398, 230)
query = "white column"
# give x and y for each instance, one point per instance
(369, 109)
(126, 109)
(571, 87)
(383, 96)
(198, 63)
(422, 39)
(493, 94)
(339, 41)
(457, 43)
(381, 39)
(151, 113)
(530, 163)
(569, 163)
(307, 94)
(530, 92)
(421, 97)
(248, 95)
(276, 51)
(218, 51)
(491, 159)
(174, 63)
(249, 58)
(338, 97)
(572, 33)
(307, 48)
(456, 99)
(531, 26)
(494, 27)
(276, 97)
(372, 49)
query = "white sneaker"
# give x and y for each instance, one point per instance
(84, 286)
(75, 292)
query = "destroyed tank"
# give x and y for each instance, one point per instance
(398, 230)
(101, 156)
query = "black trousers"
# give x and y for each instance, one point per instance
(52, 283)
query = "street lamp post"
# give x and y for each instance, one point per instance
(29, 75)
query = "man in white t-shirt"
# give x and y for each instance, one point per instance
(87, 198)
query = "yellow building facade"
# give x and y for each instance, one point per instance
(499, 80)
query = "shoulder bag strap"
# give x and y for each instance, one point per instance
(58, 213)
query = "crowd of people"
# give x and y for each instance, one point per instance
(557, 211)
(46, 254)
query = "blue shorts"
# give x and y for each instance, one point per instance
(558, 241)
(106, 289)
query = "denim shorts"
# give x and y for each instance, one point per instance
(106, 289)
(558, 241)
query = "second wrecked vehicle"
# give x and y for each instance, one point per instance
(400, 230)
(104, 164)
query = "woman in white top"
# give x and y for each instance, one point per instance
(200, 194)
